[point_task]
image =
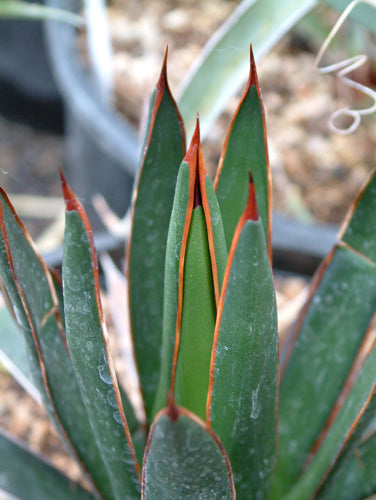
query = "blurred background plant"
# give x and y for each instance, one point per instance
(316, 173)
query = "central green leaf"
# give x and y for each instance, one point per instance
(198, 320)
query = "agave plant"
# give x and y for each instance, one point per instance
(204, 325)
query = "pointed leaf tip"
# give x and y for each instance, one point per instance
(71, 201)
(253, 79)
(162, 82)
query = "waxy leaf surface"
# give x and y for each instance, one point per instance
(245, 151)
(360, 233)
(184, 459)
(27, 476)
(198, 320)
(242, 409)
(48, 357)
(162, 155)
(88, 345)
(356, 479)
(329, 335)
(195, 261)
(171, 287)
(354, 406)
(323, 354)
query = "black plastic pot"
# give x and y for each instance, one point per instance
(101, 147)
(28, 90)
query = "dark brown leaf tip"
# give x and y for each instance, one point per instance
(197, 198)
(71, 201)
(251, 211)
(192, 157)
(162, 82)
(253, 79)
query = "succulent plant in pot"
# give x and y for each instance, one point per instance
(204, 324)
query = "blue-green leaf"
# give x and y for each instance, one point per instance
(184, 459)
(243, 388)
(163, 152)
(90, 353)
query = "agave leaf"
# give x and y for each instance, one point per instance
(133, 423)
(171, 284)
(243, 381)
(13, 353)
(195, 261)
(360, 232)
(25, 10)
(185, 459)
(350, 478)
(27, 475)
(223, 63)
(90, 353)
(200, 291)
(245, 151)
(198, 320)
(31, 294)
(338, 433)
(331, 340)
(163, 152)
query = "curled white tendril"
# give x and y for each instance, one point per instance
(343, 68)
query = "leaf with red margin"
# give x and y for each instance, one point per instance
(195, 262)
(340, 431)
(133, 423)
(242, 399)
(329, 352)
(185, 459)
(33, 300)
(361, 230)
(163, 152)
(90, 352)
(245, 150)
(353, 474)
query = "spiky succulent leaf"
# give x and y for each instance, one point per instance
(356, 479)
(90, 352)
(171, 293)
(337, 478)
(332, 344)
(198, 320)
(163, 151)
(184, 459)
(31, 294)
(243, 384)
(338, 433)
(360, 232)
(245, 151)
(195, 260)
